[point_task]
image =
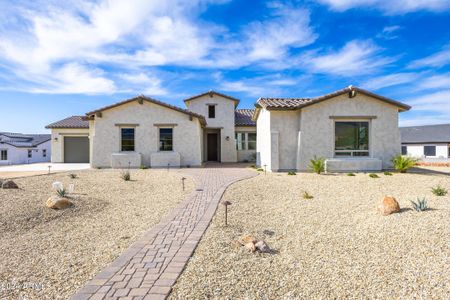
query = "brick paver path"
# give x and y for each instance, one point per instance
(151, 266)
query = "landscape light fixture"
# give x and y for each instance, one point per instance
(226, 203)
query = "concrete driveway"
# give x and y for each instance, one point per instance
(38, 169)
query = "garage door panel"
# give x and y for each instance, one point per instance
(76, 149)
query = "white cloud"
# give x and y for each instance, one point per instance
(270, 85)
(390, 6)
(388, 32)
(144, 84)
(435, 102)
(435, 82)
(437, 60)
(355, 58)
(389, 80)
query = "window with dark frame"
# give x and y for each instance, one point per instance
(44, 152)
(30, 154)
(165, 139)
(211, 111)
(3, 154)
(127, 139)
(351, 139)
(429, 150)
(404, 150)
(251, 141)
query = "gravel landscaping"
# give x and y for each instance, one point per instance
(333, 246)
(49, 254)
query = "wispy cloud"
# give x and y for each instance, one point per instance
(436, 60)
(389, 32)
(389, 80)
(143, 83)
(435, 82)
(390, 6)
(355, 58)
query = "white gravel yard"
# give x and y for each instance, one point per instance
(54, 253)
(334, 246)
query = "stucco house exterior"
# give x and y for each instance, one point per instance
(428, 142)
(353, 129)
(18, 148)
(146, 132)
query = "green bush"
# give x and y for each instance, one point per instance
(373, 175)
(126, 176)
(260, 170)
(388, 173)
(292, 173)
(73, 176)
(61, 192)
(306, 195)
(351, 174)
(317, 165)
(403, 163)
(143, 167)
(420, 205)
(439, 191)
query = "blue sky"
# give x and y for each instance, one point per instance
(60, 60)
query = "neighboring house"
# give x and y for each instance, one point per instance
(430, 141)
(145, 131)
(17, 148)
(352, 129)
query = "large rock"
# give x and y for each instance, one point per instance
(248, 239)
(250, 247)
(388, 206)
(56, 202)
(9, 184)
(262, 247)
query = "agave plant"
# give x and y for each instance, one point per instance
(292, 173)
(317, 164)
(439, 191)
(307, 195)
(403, 163)
(61, 192)
(126, 176)
(420, 205)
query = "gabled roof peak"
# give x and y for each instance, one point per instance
(211, 93)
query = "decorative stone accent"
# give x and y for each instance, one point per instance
(9, 184)
(55, 202)
(388, 206)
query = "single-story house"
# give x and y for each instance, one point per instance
(352, 128)
(144, 131)
(429, 141)
(18, 148)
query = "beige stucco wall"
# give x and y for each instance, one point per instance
(263, 141)
(224, 120)
(58, 141)
(246, 155)
(286, 125)
(317, 129)
(105, 135)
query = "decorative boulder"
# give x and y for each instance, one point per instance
(250, 247)
(55, 202)
(247, 239)
(9, 184)
(388, 206)
(262, 247)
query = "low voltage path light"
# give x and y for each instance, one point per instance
(168, 166)
(265, 169)
(182, 180)
(226, 203)
(49, 167)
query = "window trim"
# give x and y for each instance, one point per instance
(1, 154)
(134, 138)
(352, 152)
(246, 140)
(159, 138)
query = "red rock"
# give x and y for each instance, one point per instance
(388, 206)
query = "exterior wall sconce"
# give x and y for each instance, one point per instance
(227, 138)
(56, 139)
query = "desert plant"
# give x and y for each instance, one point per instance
(373, 175)
(61, 192)
(420, 205)
(126, 175)
(292, 173)
(253, 166)
(143, 167)
(388, 173)
(260, 170)
(403, 163)
(72, 175)
(306, 195)
(317, 164)
(351, 174)
(439, 191)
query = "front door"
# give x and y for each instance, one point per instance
(212, 147)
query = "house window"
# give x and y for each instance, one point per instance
(30, 153)
(165, 139)
(351, 139)
(429, 150)
(211, 111)
(127, 139)
(3, 154)
(404, 150)
(245, 141)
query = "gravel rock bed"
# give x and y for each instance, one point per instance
(334, 246)
(49, 254)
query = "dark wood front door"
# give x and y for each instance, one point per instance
(212, 147)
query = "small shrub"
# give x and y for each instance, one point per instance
(351, 174)
(260, 170)
(292, 173)
(317, 164)
(306, 195)
(98, 168)
(143, 167)
(253, 166)
(403, 163)
(373, 175)
(61, 192)
(388, 173)
(126, 176)
(439, 191)
(420, 205)
(73, 176)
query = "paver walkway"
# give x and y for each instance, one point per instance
(151, 266)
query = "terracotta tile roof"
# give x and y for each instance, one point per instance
(23, 140)
(296, 103)
(151, 100)
(211, 93)
(70, 122)
(243, 117)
